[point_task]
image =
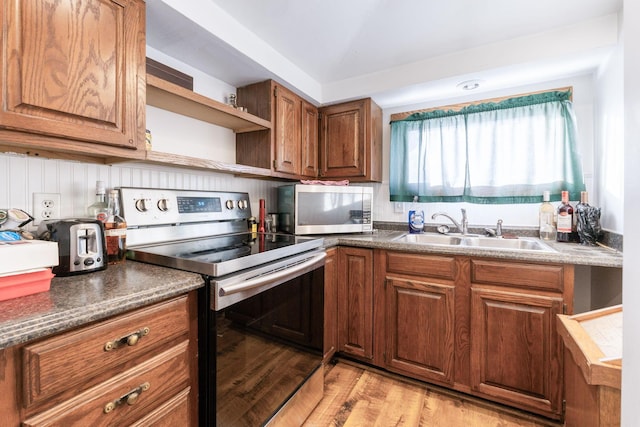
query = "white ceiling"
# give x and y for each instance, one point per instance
(398, 51)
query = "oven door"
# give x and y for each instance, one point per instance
(268, 338)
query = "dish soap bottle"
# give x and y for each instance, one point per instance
(115, 231)
(546, 218)
(416, 218)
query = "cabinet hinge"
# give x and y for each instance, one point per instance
(564, 407)
(275, 91)
(385, 283)
(565, 309)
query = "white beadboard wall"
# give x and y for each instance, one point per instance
(21, 176)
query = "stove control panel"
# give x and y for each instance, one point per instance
(151, 206)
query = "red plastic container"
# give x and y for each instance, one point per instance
(17, 285)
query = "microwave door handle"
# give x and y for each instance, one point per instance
(287, 273)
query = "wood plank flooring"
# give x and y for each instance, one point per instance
(356, 395)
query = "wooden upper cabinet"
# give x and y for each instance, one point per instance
(289, 149)
(287, 131)
(351, 141)
(74, 70)
(309, 148)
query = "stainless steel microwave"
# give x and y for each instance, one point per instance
(324, 209)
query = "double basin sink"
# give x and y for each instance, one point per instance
(476, 241)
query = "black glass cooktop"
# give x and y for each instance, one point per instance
(225, 254)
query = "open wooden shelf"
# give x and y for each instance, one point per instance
(174, 98)
(168, 159)
(171, 97)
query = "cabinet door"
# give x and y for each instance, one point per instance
(309, 143)
(330, 303)
(351, 141)
(343, 140)
(287, 131)
(516, 351)
(420, 329)
(75, 69)
(355, 302)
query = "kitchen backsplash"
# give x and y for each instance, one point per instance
(75, 182)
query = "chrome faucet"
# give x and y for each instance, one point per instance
(497, 232)
(462, 228)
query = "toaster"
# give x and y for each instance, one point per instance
(81, 244)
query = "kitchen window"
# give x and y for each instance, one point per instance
(492, 152)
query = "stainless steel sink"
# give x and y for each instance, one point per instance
(431, 239)
(520, 244)
(494, 243)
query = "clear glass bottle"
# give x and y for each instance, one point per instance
(566, 223)
(115, 231)
(547, 218)
(98, 210)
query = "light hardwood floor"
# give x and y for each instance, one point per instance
(357, 395)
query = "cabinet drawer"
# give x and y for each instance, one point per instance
(531, 276)
(126, 397)
(421, 265)
(73, 358)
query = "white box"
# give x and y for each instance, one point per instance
(21, 255)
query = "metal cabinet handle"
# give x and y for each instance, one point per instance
(130, 398)
(131, 339)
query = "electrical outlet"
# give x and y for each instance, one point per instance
(397, 207)
(45, 206)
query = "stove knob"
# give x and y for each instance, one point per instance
(243, 204)
(229, 204)
(164, 205)
(141, 205)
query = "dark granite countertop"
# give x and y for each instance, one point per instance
(565, 253)
(76, 300)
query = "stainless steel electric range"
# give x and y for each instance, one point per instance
(261, 310)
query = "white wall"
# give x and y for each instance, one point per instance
(176, 134)
(631, 270)
(609, 147)
(525, 215)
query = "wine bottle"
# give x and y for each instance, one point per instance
(546, 218)
(115, 231)
(98, 210)
(566, 222)
(580, 210)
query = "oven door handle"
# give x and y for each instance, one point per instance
(287, 273)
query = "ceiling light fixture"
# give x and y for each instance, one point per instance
(469, 85)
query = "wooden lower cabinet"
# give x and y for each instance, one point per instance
(420, 324)
(355, 302)
(330, 343)
(419, 315)
(138, 368)
(483, 326)
(516, 351)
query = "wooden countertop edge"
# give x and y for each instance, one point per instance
(585, 351)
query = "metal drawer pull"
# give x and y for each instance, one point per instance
(130, 398)
(131, 339)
